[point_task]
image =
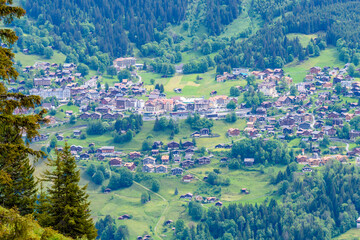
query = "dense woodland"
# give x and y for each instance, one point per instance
(338, 21)
(95, 32)
(221, 13)
(263, 152)
(108, 21)
(320, 206)
(109, 26)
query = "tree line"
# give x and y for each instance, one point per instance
(263, 151)
(322, 205)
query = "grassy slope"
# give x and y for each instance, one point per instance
(243, 22)
(35, 231)
(29, 60)
(350, 235)
(298, 70)
(145, 217)
(220, 127)
(304, 39)
(190, 86)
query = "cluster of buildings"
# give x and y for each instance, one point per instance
(293, 117)
(316, 161)
(201, 199)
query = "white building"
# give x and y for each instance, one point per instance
(268, 89)
(59, 93)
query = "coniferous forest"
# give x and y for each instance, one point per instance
(111, 20)
(94, 32)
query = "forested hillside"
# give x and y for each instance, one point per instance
(336, 21)
(96, 32)
(319, 207)
(108, 20)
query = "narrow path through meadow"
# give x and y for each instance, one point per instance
(162, 217)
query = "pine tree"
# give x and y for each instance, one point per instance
(194, 142)
(21, 192)
(42, 208)
(69, 209)
(156, 124)
(17, 185)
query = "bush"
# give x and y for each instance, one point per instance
(72, 119)
(231, 117)
(52, 112)
(105, 171)
(123, 179)
(53, 142)
(145, 197)
(91, 170)
(95, 127)
(98, 177)
(155, 187)
(123, 138)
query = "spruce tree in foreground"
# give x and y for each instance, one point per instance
(69, 206)
(20, 191)
(17, 184)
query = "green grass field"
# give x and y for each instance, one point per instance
(298, 70)
(145, 217)
(303, 38)
(243, 22)
(29, 60)
(353, 234)
(220, 127)
(190, 86)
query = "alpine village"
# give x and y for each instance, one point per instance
(180, 119)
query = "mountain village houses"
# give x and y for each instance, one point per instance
(294, 118)
(122, 63)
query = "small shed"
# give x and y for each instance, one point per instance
(168, 222)
(244, 190)
(249, 162)
(123, 217)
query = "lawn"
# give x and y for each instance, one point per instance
(220, 127)
(111, 80)
(191, 87)
(298, 70)
(352, 234)
(303, 38)
(60, 115)
(127, 201)
(30, 60)
(73, 108)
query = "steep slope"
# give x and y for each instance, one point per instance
(14, 226)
